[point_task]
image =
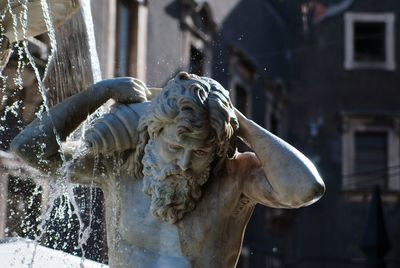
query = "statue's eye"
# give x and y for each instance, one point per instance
(201, 152)
(174, 147)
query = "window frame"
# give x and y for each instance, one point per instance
(197, 37)
(133, 63)
(242, 74)
(379, 175)
(353, 124)
(235, 82)
(388, 19)
(275, 95)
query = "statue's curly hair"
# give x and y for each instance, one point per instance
(194, 104)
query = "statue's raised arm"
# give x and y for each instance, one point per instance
(280, 176)
(37, 143)
(276, 174)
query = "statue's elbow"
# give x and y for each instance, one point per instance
(304, 195)
(319, 189)
(314, 192)
(313, 186)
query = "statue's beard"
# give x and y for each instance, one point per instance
(173, 192)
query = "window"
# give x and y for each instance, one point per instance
(241, 98)
(369, 41)
(275, 107)
(370, 158)
(198, 28)
(196, 61)
(274, 124)
(370, 151)
(241, 95)
(131, 39)
(124, 21)
(242, 73)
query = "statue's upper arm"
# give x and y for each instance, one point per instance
(255, 183)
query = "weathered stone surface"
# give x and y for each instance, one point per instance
(177, 193)
(60, 10)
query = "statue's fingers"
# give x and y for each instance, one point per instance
(140, 82)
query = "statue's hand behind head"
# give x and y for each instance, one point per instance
(123, 89)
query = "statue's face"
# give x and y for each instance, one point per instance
(190, 153)
(175, 167)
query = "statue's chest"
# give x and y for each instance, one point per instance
(201, 230)
(137, 226)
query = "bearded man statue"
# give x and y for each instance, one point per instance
(200, 108)
(177, 192)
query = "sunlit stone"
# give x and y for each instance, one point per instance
(60, 9)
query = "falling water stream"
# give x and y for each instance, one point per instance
(87, 15)
(66, 207)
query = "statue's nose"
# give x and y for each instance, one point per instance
(184, 160)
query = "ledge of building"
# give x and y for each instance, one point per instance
(365, 195)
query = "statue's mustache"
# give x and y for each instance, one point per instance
(174, 171)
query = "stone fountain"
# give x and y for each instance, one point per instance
(21, 20)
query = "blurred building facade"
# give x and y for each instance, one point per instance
(345, 78)
(321, 74)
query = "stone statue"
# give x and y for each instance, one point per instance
(177, 192)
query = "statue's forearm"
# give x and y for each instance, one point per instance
(38, 140)
(293, 178)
